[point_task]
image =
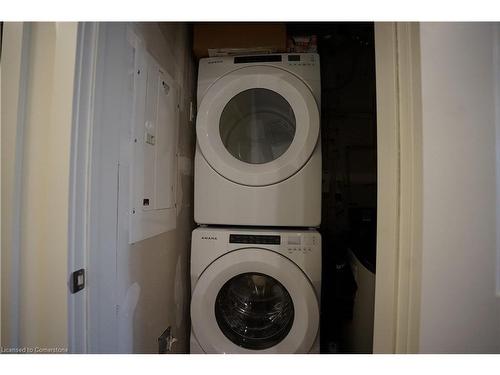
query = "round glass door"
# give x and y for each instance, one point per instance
(254, 311)
(254, 300)
(257, 126)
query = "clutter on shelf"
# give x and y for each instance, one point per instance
(302, 44)
(225, 39)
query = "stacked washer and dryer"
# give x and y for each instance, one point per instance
(256, 257)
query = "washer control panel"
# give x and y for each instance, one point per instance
(287, 242)
(300, 243)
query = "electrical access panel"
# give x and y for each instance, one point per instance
(153, 148)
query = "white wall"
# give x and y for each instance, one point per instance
(137, 290)
(160, 265)
(460, 312)
(12, 49)
(40, 154)
(153, 275)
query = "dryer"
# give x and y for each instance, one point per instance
(258, 153)
(255, 291)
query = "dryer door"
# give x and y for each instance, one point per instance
(254, 301)
(257, 126)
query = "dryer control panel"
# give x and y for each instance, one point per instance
(302, 60)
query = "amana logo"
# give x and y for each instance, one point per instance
(208, 238)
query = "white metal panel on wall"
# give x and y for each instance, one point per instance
(166, 131)
(154, 148)
(148, 140)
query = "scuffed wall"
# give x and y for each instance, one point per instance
(137, 290)
(158, 267)
(150, 292)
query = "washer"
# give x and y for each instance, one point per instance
(255, 291)
(258, 153)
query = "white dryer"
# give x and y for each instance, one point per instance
(255, 291)
(258, 153)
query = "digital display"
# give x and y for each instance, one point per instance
(257, 239)
(293, 57)
(256, 59)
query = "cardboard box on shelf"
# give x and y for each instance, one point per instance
(227, 38)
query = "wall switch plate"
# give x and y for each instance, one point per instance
(77, 280)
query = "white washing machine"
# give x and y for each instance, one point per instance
(258, 154)
(255, 291)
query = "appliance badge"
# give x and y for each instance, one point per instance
(208, 238)
(215, 62)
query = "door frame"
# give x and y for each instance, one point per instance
(16, 41)
(399, 205)
(79, 225)
(399, 214)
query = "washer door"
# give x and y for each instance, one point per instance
(254, 301)
(258, 126)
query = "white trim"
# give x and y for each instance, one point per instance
(18, 177)
(496, 67)
(103, 203)
(22, 36)
(387, 188)
(399, 233)
(411, 198)
(81, 152)
(108, 230)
